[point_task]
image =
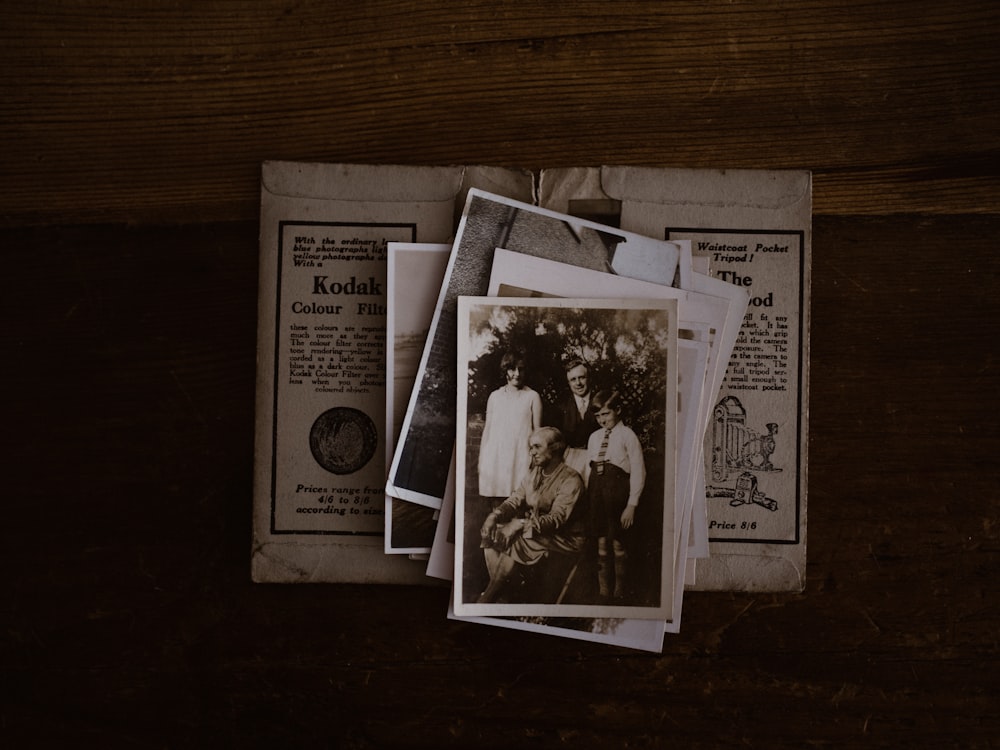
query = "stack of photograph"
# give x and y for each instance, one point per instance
(553, 379)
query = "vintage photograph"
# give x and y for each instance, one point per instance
(566, 457)
(700, 319)
(420, 465)
(414, 278)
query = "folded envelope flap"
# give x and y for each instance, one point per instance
(734, 217)
(333, 220)
(765, 190)
(380, 183)
(387, 183)
(746, 188)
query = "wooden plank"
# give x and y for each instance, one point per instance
(162, 113)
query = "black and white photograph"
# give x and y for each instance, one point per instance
(414, 277)
(534, 534)
(419, 469)
(701, 318)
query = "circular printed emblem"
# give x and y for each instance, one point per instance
(343, 439)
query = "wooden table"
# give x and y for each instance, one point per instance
(132, 141)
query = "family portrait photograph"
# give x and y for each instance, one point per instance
(565, 457)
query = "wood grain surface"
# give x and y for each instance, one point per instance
(132, 138)
(162, 112)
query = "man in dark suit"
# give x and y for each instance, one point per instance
(575, 419)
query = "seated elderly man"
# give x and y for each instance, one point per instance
(538, 518)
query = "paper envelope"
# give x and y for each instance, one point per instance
(754, 227)
(319, 454)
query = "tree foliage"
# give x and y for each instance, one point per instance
(624, 350)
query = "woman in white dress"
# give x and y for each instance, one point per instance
(513, 412)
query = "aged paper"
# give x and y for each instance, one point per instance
(420, 465)
(516, 275)
(699, 315)
(532, 554)
(414, 278)
(319, 468)
(751, 228)
(754, 229)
